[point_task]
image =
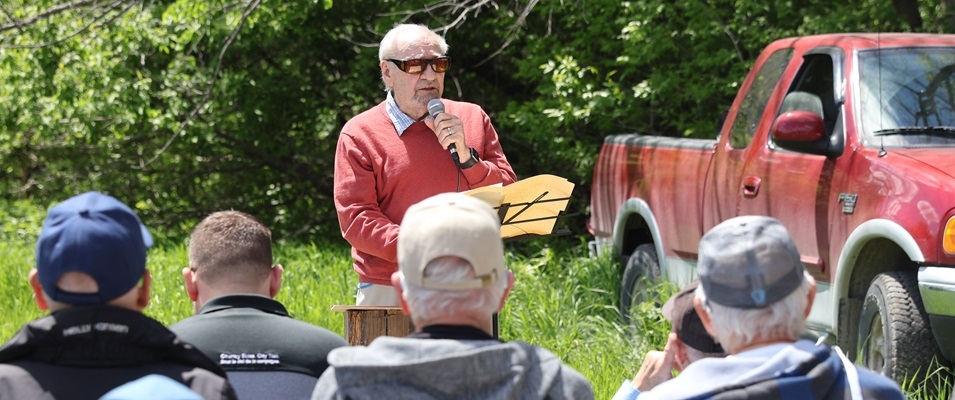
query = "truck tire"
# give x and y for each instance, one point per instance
(895, 338)
(639, 276)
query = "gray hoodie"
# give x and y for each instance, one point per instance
(407, 368)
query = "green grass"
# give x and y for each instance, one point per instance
(563, 301)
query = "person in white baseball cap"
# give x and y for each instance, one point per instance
(451, 280)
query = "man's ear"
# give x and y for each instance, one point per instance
(275, 280)
(680, 357)
(507, 291)
(386, 73)
(38, 297)
(396, 282)
(143, 299)
(189, 281)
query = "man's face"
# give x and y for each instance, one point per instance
(413, 91)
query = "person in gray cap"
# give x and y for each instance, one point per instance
(91, 275)
(451, 279)
(754, 297)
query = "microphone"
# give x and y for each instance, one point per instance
(435, 107)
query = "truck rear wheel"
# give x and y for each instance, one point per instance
(639, 276)
(895, 338)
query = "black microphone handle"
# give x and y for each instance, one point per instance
(454, 154)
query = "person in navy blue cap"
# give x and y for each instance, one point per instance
(91, 275)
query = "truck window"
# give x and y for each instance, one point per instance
(750, 112)
(907, 97)
(816, 78)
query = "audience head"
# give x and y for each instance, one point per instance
(451, 261)
(152, 387)
(230, 252)
(694, 342)
(412, 84)
(753, 287)
(91, 251)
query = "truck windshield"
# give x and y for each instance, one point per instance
(908, 96)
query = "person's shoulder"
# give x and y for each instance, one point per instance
(374, 114)
(17, 382)
(545, 357)
(572, 384)
(209, 384)
(191, 324)
(876, 386)
(12, 372)
(309, 330)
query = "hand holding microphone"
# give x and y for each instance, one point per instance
(449, 131)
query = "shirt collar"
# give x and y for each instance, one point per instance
(455, 332)
(400, 120)
(260, 303)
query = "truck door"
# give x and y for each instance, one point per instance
(737, 133)
(795, 187)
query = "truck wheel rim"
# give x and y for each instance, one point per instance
(875, 356)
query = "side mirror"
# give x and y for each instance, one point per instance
(803, 132)
(799, 127)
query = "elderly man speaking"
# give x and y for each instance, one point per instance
(754, 297)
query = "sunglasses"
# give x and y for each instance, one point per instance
(416, 66)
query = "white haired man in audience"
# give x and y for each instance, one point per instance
(754, 297)
(451, 280)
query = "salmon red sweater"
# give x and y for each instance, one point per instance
(379, 174)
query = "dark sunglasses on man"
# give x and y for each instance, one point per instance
(416, 66)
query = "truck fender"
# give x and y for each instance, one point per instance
(639, 207)
(865, 232)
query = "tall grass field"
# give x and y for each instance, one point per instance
(563, 300)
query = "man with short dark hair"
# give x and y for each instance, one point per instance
(451, 280)
(754, 297)
(233, 283)
(91, 274)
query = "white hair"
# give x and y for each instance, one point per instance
(738, 327)
(389, 44)
(429, 304)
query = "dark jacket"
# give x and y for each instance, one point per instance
(245, 332)
(83, 352)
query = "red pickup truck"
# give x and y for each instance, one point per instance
(849, 140)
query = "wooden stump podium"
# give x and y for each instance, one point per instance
(364, 323)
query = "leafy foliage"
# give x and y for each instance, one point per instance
(185, 107)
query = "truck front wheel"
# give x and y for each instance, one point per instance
(639, 276)
(895, 338)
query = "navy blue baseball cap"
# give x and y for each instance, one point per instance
(152, 387)
(97, 235)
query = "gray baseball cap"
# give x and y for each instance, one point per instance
(749, 262)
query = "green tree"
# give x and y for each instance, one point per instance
(186, 107)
